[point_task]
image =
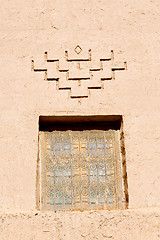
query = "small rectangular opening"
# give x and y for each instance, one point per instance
(81, 164)
(74, 123)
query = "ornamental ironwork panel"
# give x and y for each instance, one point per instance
(80, 170)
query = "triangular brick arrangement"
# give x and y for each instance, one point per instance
(79, 75)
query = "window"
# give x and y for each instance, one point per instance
(81, 169)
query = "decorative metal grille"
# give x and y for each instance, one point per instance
(80, 170)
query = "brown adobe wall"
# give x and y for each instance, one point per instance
(28, 29)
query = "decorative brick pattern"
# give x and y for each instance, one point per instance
(79, 75)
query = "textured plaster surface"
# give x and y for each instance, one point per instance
(131, 29)
(140, 224)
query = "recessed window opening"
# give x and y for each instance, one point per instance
(81, 165)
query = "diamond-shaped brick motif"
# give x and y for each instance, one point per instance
(79, 76)
(78, 49)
